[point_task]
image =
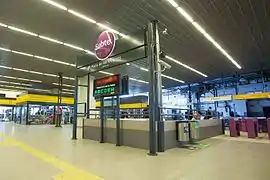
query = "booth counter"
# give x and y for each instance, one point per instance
(135, 132)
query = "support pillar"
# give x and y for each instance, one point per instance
(88, 97)
(118, 139)
(155, 91)
(102, 119)
(27, 114)
(12, 113)
(189, 98)
(263, 82)
(59, 101)
(75, 107)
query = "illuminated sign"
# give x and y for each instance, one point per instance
(105, 45)
(265, 95)
(108, 86)
(218, 98)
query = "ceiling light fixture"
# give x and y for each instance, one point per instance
(15, 83)
(137, 80)
(56, 4)
(70, 90)
(163, 75)
(22, 31)
(81, 16)
(50, 39)
(22, 53)
(22, 79)
(186, 66)
(71, 46)
(107, 73)
(33, 72)
(65, 85)
(3, 25)
(37, 57)
(203, 32)
(131, 39)
(5, 49)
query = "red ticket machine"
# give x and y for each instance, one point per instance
(234, 127)
(243, 125)
(252, 127)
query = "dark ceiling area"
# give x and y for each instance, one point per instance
(240, 27)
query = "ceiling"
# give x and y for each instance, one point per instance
(241, 27)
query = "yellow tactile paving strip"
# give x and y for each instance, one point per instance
(69, 171)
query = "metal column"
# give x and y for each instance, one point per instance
(27, 114)
(12, 114)
(74, 130)
(155, 89)
(59, 101)
(118, 140)
(215, 95)
(263, 82)
(101, 120)
(88, 97)
(189, 98)
(54, 114)
(159, 118)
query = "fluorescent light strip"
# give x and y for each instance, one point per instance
(203, 32)
(56, 4)
(50, 39)
(22, 31)
(73, 46)
(34, 72)
(37, 57)
(5, 49)
(68, 93)
(15, 83)
(163, 75)
(107, 73)
(137, 80)
(3, 25)
(22, 53)
(81, 16)
(22, 79)
(70, 90)
(186, 66)
(65, 85)
(24, 88)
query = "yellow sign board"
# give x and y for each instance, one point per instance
(43, 99)
(7, 102)
(265, 95)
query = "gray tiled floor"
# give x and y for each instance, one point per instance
(225, 159)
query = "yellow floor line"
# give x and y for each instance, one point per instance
(70, 172)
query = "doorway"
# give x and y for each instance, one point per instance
(266, 112)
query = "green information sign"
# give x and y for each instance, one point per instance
(108, 86)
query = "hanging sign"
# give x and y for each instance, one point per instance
(107, 86)
(105, 45)
(218, 98)
(264, 95)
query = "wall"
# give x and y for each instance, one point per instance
(82, 97)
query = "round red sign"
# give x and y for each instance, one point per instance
(105, 45)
